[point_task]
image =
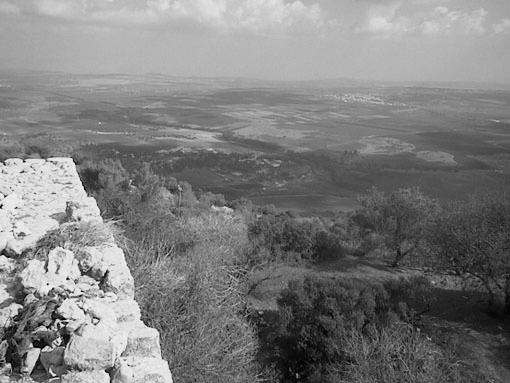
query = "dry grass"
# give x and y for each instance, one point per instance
(193, 297)
(76, 235)
(400, 353)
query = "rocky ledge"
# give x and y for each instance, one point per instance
(67, 312)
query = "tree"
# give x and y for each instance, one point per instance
(400, 217)
(473, 239)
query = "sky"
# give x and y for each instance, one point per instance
(388, 40)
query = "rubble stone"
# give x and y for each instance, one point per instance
(9, 312)
(62, 263)
(52, 357)
(89, 352)
(70, 310)
(11, 202)
(31, 358)
(5, 238)
(149, 370)
(92, 323)
(86, 377)
(143, 341)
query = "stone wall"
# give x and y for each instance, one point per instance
(67, 312)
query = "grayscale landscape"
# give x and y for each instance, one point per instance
(304, 146)
(254, 191)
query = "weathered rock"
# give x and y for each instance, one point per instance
(61, 270)
(11, 202)
(70, 310)
(30, 298)
(119, 281)
(61, 263)
(86, 283)
(5, 220)
(89, 351)
(31, 231)
(98, 318)
(30, 360)
(15, 247)
(91, 262)
(143, 341)
(20, 230)
(123, 373)
(35, 163)
(149, 370)
(85, 210)
(86, 377)
(7, 265)
(33, 276)
(51, 358)
(8, 313)
(5, 295)
(5, 238)
(13, 162)
(4, 372)
(126, 310)
(99, 309)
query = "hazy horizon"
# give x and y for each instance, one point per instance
(375, 40)
(334, 82)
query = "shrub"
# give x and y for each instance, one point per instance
(315, 316)
(398, 353)
(329, 330)
(327, 246)
(400, 217)
(285, 238)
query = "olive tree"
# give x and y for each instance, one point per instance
(401, 218)
(473, 238)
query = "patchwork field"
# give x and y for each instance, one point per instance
(299, 146)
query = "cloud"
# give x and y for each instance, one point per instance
(257, 16)
(8, 8)
(388, 19)
(503, 27)
(445, 21)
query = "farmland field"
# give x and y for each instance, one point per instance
(300, 146)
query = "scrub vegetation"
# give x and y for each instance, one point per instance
(199, 261)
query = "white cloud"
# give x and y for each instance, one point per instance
(503, 27)
(445, 21)
(8, 8)
(258, 16)
(390, 20)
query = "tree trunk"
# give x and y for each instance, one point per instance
(398, 257)
(507, 295)
(492, 304)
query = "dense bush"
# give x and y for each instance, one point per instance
(330, 330)
(283, 237)
(315, 316)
